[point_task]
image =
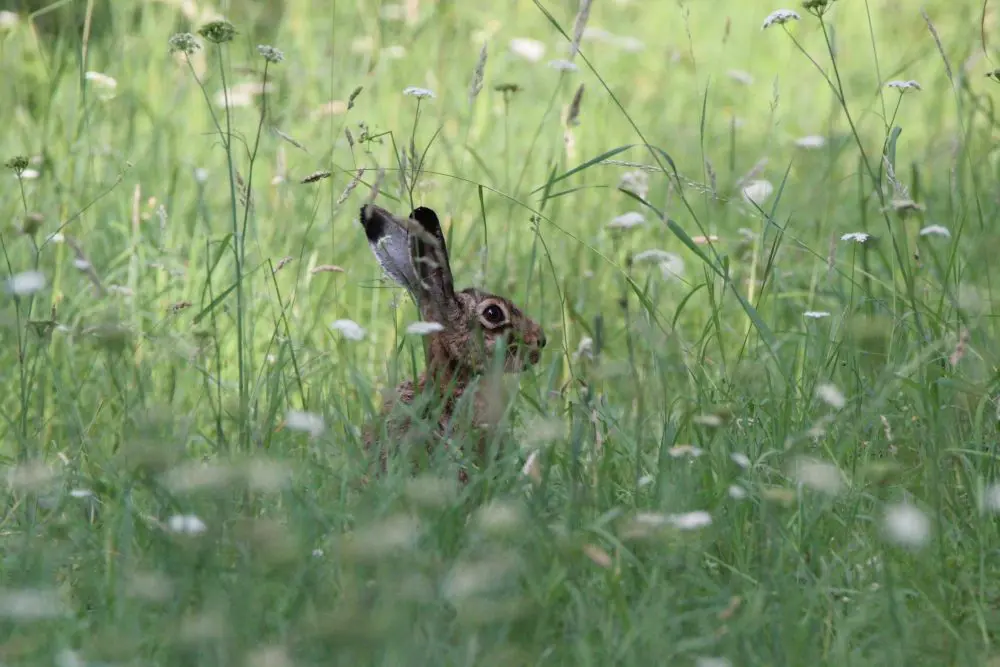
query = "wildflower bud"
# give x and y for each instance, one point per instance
(508, 90)
(218, 32)
(32, 223)
(17, 164)
(817, 7)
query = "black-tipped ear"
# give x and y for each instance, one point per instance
(432, 265)
(374, 220)
(390, 243)
(428, 219)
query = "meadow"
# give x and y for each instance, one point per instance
(764, 428)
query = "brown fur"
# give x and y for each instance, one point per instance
(458, 358)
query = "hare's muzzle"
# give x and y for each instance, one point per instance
(533, 343)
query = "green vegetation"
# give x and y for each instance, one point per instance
(763, 431)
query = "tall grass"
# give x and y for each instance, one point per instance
(763, 431)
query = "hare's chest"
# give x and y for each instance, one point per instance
(480, 405)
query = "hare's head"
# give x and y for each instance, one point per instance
(412, 252)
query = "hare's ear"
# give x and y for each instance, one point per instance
(431, 263)
(390, 243)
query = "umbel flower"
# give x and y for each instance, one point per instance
(17, 164)
(184, 42)
(779, 17)
(817, 7)
(218, 32)
(270, 54)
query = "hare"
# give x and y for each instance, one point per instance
(474, 323)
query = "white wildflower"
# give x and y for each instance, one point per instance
(936, 230)
(711, 421)
(779, 17)
(653, 255)
(903, 86)
(25, 284)
(530, 49)
(472, 578)
(711, 661)
(392, 12)
(81, 493)
(424, 328)
(816, 314)
(628, 43)
(266, 475)
(991, 499)
(392, 534)
(597, 34)
(672, 267)
(740, 459)
(186, 524)
(757, 191)
(419, 93)
(690, 520)
(636, 182)
(739, 76)
(149, 585)
(55, 237)
(31, 604)
(81, 264)
(906, 525)
(239, 98)
(830, 395)
(33, 475)
(363, 44)
(69, 658)
(393, 52)
(585, 348)
(121, 290)
(195, 476)
(499, 518)
(818, 475)
(905, 205)
(308, 422)
(811, 141)
(8, 20)
(737, 492)
(349, 328)
(105, 85)
(28, 175)
(627, 220)
(563, 65)
(201, 174)
(857, 237)
(685, 450)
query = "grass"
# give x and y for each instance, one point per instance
(714, 479)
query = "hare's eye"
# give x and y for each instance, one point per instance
(494, 314)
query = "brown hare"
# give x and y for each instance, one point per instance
(473, 323)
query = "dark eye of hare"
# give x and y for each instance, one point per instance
(494, 314)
